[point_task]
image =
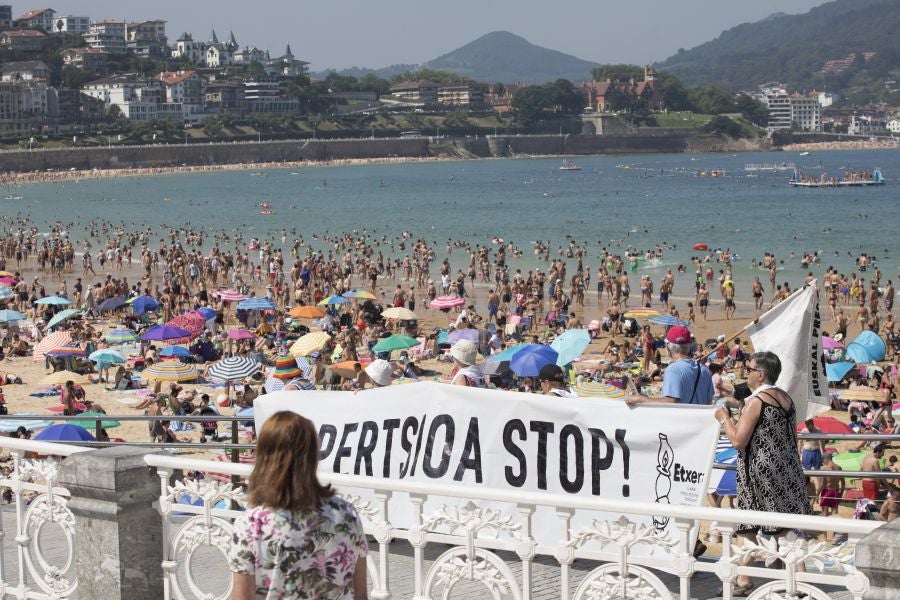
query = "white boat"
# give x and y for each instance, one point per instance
(568, 165)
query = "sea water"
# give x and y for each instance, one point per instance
(617, 202)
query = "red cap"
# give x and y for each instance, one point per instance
(360, 324)
(678, 335)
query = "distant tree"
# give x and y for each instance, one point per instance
(529, 104)
(458, 119)
(114, 113)
(73, 78)
(499, 89)
(753, 110)
(675, 96)
(341, 83)
(617, 73)
(255, 69)
(430, 74)
(372, 83)
(724, 126)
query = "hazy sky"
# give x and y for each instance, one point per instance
(367, 33)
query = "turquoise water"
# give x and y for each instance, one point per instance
(659, 199)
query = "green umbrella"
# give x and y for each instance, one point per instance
(395, 342)
(104, 423)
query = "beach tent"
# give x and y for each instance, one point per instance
(867, 347)
(836, 371)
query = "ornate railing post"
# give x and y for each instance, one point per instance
(878, 557)
(118, 530)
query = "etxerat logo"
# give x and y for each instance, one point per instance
(684, 475)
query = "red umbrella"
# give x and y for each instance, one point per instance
(827, 425)
(192, 322)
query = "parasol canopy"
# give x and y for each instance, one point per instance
(121, 336)
(395, 342)
(456, 335)
(256, 303)
(306, 312)
(54, 340)
(62, 316)
(67, 351)
(65, 432)
(669, 321)
(170, 370)
(53, 300)
(570, 345)
(446, 302)
(400, 313)
(107, 355)
(333, 300)
(165, 332)
(309, 343)
(641, 313)
(598, 389)
(529, 361)
(8, 315)
(105, 422)
(241, 334)
(359, 295)
(111, 304)
(175, 352)
(61, 377)
(286, 368)
(836, 371)
(827, 425)
(230, 295)
(233, 368)
(142, 304)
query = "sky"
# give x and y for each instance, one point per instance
(336, 34)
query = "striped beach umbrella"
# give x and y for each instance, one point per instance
(286, 368)
(273, 384)
(9, 315)
(62, 316)
(861, 394)
(359, 295)
(641, 313)
(256, 303)
(598, 389)
(669, 321)
(446, 302)
(333, 300)
(230, 295)
(67, 351)
(170, 370)
(233, 368)
(400, 313)
(5, 293)
(61, 377)
(120, 336)
(54, 340)
(306, 312)
(53, 300)
(309, 343)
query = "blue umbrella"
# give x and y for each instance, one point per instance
(111, 304)
(668, 321)
(245, 412)
(165, 332)
(6, 293)
(334, 300)
(727, 485)
(256, 304)
(63, 432)
(207, 312)
(570, 345)
(836, 371)
(57, 300)
(9, 425)
(179, 351)
(462, 334)
(62, 316)
(8, 315)
(142, 304)
(441, 338)
(507, 354)
(529, 361)
(108, 356)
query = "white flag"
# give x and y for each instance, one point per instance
(792, 330)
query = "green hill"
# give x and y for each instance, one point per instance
(793, 49)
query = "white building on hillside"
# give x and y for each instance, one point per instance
(72, 24)
(778, 102)
(108, 34)
(806, 112)
(893, 125)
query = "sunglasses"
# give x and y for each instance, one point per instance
(754, 369)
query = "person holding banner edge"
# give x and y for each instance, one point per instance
(769, 473)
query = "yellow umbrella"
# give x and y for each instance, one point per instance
(61, 377)
(862, 394)
(170, 370)
(641, 313)
(597, 389)
(309, 343)
(400, 313)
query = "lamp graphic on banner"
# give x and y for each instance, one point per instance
(665, 458)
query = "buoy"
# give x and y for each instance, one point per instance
(701, 246)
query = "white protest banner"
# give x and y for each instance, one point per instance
(471, 437)
(792, 330)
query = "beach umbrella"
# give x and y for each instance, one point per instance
(61, 377)
(245, 412)
(456, 335)
(10, 425)
(62, 316)
(286, 368)
(507, 354)
(395, 342)
(861, 395)
(107, 355)
(7, 274)
(570, 345)
(164, 332)
(359, 295)
(827, 425)
(598, 389)
(256, 304)
(175, 352)
(8, 281)
(273, 384)
(230, 295)
(54, 340)
(836, 371)
(668, 321)
(852, 460)
(641, 313)
(5, 293)
(67, 351)
(111, 304)
(241, 334)
(54, 300)
(309, 343)
(120, 336)
(206, 312)
(829, 343)
(306, 312)
(446, 302)
(192, 322)
(142, 304)
(104, 422)
(330, 300)
(727, 485)
(233, 368)
(400, 313)
(64, 432)
(529, 361)
(170, 370)
(9, 315)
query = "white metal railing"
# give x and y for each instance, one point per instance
(473, 535)
(38, 502)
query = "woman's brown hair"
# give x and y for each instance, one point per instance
(287, 455)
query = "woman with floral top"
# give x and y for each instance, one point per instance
(297, 539)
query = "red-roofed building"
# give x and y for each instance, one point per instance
(38, 17)
(422, 92)
(185, 88)
(604, 96)
(23, 40)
